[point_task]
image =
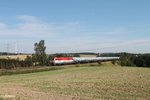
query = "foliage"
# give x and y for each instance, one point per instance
(130, 59)
(13, 63)
(29, 60)
(62, 55)
(139, 60)
(76, 55)
(40, 57)
(27, 70)
(142, 61)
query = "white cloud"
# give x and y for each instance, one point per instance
(117, 31)
(141, 42)
(105, 45)
(28, 18)
(102, 45)
(2, 26)
(31, 25)
(69, 36)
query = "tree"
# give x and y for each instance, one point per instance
(29, 61)
(76, 55)
(40, 54)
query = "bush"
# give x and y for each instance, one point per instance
(12, 63)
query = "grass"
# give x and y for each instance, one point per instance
(1, 98)
(26, 70)
(85, 82)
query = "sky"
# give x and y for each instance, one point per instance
(70, 26)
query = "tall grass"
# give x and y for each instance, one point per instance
(34, 69)
(27, 70)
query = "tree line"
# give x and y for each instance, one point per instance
(40, 58)
(13, 63)
(129, 59)
(138, 60)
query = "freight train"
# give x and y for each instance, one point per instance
(76, 60)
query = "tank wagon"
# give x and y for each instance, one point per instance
(76, 60)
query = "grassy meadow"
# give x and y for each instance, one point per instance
(79, 82)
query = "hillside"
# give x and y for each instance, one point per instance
(83, 82)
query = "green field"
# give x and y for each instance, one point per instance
(86, 82)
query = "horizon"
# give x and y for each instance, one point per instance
(75, 26)
(88, 53)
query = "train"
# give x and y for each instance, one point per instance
(77, 60)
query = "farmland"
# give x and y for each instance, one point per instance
(79, 82)
(20, 57)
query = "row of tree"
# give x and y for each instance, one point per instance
(129, 59)
(40, 58)
(139, 60)
(13, 63)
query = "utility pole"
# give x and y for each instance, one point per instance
(8, 48)
(16, 48)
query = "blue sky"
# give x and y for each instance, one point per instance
(75, 25)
